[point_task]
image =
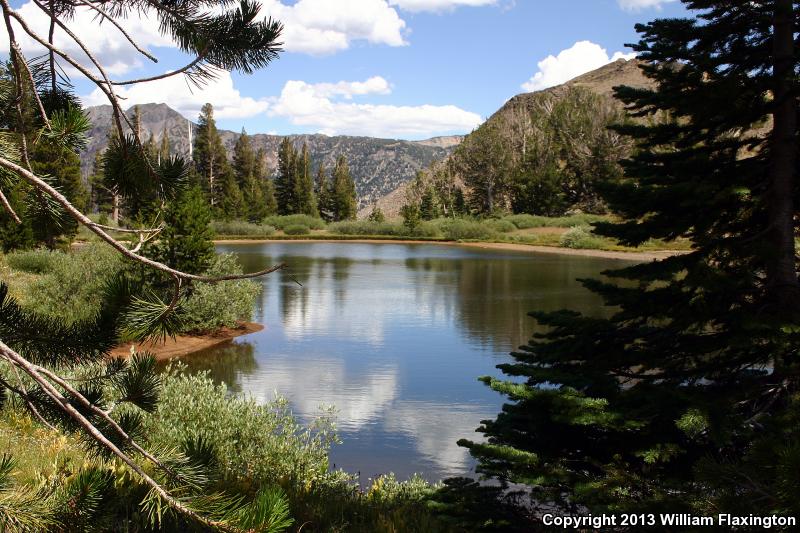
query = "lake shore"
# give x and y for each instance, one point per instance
(505, 246)
(187, 344)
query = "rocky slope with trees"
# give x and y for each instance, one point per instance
(550, 122)
(378, 165)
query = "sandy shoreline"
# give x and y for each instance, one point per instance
(187, 344)
(528, 248)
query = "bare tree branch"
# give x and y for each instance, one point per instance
(181, 70)
(8, 208)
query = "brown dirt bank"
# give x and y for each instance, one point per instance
(187, 344)
(529, 248)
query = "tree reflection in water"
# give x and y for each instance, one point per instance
(225, 363)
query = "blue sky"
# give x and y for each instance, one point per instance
(390, 68)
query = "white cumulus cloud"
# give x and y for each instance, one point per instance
(327, 26)
(438, 5)
(227, 100)
(311, 26)
(582, 57)
(638, 5)
(348, 89)
(317, 106)
(106, 42)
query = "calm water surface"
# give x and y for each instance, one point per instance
(395, 336)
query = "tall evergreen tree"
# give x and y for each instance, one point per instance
(343, 191)
(486, 169)
(152, 148)
(428, 208)
(210, 159)
(63, 166)
(232, 202)
(686, 399)
(286, 181)
(245, 167)
(244, 160)
(304, 184)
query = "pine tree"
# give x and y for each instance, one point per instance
(99, 195)
(343, 191)
(459, 203)
(304, 184)
(411, 216)
(268, 206)
(152, 148)
(428, 209)
(186, 241)
(244, 160)
(15, 235)
(286, 181)
(486, 169)
(248, 177)
(210, 158)
(232, 201)
(685, 400)
(64, 169)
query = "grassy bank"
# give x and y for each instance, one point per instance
(572, 232)
(50, 282)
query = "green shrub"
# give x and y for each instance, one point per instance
(500, 225)
(463, 229)
(72, 285)
(367, 227)
(297, 229)
(258, 445)
(580, 237)
(426, 230)
(212, 306)
(377, 215)
(282, 222)
(241, 228)
(34, 261)
(536, 221)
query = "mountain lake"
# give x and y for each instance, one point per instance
(394, 336)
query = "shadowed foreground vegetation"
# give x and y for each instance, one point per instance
(251, 448)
